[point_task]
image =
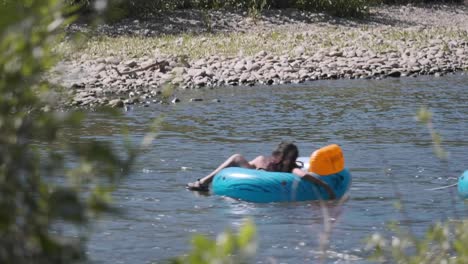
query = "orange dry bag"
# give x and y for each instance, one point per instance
(327, 160)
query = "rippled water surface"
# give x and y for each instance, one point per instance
(386, 150)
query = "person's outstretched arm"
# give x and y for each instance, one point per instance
(310, 177)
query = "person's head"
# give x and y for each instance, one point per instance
(285, 155)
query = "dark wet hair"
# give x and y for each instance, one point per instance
(287, 151)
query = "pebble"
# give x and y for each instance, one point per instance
(116, 103)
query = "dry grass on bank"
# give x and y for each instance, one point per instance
(377, 40)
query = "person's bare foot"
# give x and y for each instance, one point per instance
(197, 186)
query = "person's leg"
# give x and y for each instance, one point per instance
(236, 160)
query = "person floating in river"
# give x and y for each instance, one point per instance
(282, 159)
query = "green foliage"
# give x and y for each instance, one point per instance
(39, 193)
(424, 116)
(442, 243)
(404, 2)
(227, 248)
(341, 8)
(254, 7)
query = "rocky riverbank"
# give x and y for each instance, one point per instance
(136, 61)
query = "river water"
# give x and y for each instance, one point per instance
(388, 152)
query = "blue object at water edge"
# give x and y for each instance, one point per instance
(463, 184)
(265, 187)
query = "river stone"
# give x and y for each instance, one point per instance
(376, 61)
(179, 71)
(107, 81)
(424, 62)
(177, 80)
(303, 74)
(394, 73)
(240, 66)
(244, 77)
(200, 81)
(215, 66)
(116, 103)
(232, 78)
(100, 67)
(113, 60)
(77, 86)
(199, 63)
(261, 54)
(97, 91)
(253, 66)
(350, 54)
(155, 92)
(196, 72)
(360, 52)
(298, 51)
(209, 73)
(131, 63)
(335, 54)
(88, 101)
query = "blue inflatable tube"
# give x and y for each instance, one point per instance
(264, 187)
(463, 185)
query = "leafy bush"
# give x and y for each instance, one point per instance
(442, 242)
(341, 8)
(45, 206)
(146, 7)
(227, 248)
(404, 2)
(334, 7)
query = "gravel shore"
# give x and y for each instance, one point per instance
(135, 61)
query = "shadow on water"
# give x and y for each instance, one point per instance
(374, 123)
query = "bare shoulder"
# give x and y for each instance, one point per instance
(261, 158)
(260, 162)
